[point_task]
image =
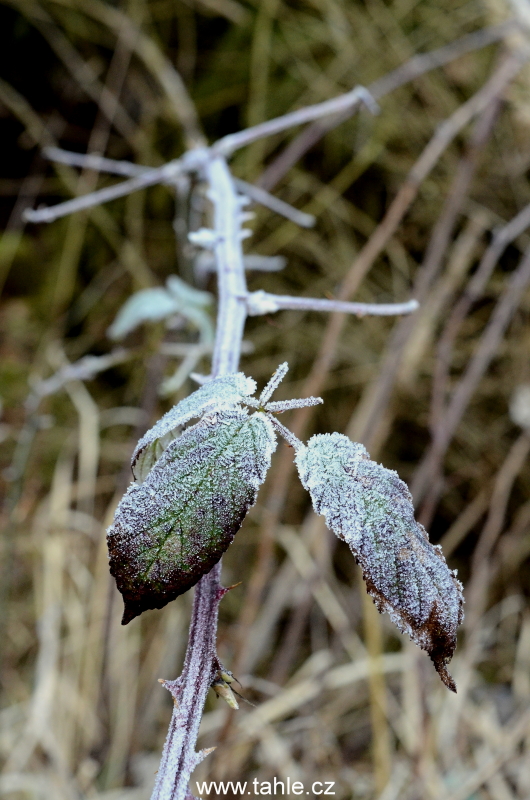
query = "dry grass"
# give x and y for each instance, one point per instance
(339, 694)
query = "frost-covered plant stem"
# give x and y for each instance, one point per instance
(179, 757)
(228, 253)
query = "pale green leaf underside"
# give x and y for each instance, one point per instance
(147, 305)
(158, 303)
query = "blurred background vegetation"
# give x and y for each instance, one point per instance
(339, 694)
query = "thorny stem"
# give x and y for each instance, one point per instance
(130, 170)
(179, 758)
(194, 158)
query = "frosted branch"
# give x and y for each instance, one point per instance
(192, 161)
(147, 178)
(264, 198)
(179, 757)
(274, 382)
(128, 169)
(234, 141)
(288, 435)
(94, 161)
(264, 303)
(287, 405)
(230, 266)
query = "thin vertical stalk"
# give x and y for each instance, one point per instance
(232, 286)
(179, 757)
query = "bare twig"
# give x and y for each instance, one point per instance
(501, 239)
(372, 407)
(439, 406)
(481, 566)
(43, 136)
(179, 758)
(264, 303)
(400, 205)
(192, 160)
(229, 144)
(156, 62)
(234, 141)
(231, 314)
(505, 751)
(94, 161)
(164, 174)
(83, 73)
(259, 195)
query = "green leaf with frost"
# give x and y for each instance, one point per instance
(370, 508)
(170, 530)
(216, 395)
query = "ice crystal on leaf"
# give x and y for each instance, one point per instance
(171, 529)
(370, 508)
(216, 395)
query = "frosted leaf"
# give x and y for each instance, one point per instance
(371, 509)
(153, 305)
(186, 294)
(147, 305)
(217, 394)
(169, 531)
(193, 305)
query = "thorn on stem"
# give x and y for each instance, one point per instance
(172, 687)
(224, 589)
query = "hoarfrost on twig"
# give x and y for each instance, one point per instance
(274, 382)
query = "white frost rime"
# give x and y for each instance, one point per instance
(370, 508)
(220, 394)
(171, 529)
(274, 382)
(216, 395)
